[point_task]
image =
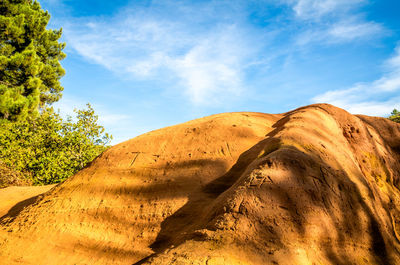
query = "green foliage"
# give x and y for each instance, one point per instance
(30, 56)
(395, 116)
(47, 148)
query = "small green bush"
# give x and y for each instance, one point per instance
(47, 148)
(395, 116)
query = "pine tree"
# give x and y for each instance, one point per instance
(30, 56)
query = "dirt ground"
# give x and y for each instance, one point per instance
(316, 185)
(14, 199)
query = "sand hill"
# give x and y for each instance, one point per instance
(316, 185)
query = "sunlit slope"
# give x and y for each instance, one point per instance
(316, 185)
(112, 211)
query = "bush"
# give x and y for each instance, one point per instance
(48, 149)
(395, 116)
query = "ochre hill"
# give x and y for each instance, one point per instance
(316, 185)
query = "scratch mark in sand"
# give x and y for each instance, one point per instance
(134, 159)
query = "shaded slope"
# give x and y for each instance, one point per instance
(321, 189)
(13, 199)
(316, 185)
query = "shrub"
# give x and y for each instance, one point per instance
(395, 116)
(49, 149)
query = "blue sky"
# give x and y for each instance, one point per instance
(144, 65)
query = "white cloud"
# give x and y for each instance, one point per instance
(372, 108)
(315, 9)
(394, 62)
(332, 22)
(350, 30)
(341, 32)
(374, 98)
(208, 61)
(212, 69)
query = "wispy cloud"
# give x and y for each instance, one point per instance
(333, 21)
(213, 68)
(207, 61)
(343, 31)
(315, 9)
(375, 98)
(350, 29)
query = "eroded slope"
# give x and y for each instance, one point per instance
(322, 188)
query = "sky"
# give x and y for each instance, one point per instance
(147, 64)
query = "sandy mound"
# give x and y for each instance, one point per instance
(313, 186)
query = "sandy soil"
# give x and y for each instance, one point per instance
(316, 185)
(14, 199)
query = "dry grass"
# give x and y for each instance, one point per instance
(10, 177)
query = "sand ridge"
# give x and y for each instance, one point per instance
(314, 185)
